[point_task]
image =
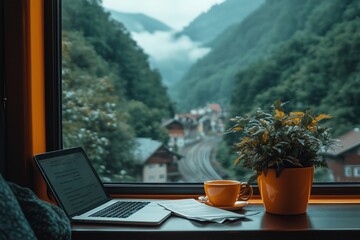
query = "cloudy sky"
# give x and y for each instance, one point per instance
(175, 13)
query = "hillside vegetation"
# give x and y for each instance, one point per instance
(318, 68)
(138, 22)
(305, 51)
(110, 93)
(210, 24)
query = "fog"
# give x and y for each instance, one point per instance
(164, 46)
(175, 13)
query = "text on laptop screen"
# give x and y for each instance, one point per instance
(73, 181)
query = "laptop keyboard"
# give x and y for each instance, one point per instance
(121, 209)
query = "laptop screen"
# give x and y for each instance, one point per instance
(72, 179)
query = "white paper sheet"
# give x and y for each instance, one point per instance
(192, 209)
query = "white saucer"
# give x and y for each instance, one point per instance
(237, 206)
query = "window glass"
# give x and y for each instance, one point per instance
(149, 85)
(356, 171)
(348, 171)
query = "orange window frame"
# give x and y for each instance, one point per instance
(25, 91)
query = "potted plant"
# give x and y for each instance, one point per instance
(282, 150)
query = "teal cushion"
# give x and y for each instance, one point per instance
(46, 220)
(13, 223)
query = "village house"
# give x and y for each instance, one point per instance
(158, 162)
(201, 122)
(344, 160)
(216, 116)
(176, 133)
(191, 127)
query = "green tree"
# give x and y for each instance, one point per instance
(110, 93)
(91, 115)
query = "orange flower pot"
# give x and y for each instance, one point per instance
(287, 194)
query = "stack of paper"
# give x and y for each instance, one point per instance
(192, 209)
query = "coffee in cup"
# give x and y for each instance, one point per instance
(225, 193)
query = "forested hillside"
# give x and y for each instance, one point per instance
(318, 68)
(210, 24)
(255, 37)
(110, 94)
(137, 22)
(272, 39)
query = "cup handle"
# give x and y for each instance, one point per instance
(246, 191)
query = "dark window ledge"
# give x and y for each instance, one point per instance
(198, 189)
(322, 221)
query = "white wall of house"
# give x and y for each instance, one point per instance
(178, 141)
(155, 172)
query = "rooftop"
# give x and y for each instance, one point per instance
(145, 148)
(347, 142)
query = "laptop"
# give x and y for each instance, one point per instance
(80, 193)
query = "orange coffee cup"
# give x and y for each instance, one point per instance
(225, 193)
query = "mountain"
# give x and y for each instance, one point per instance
(305, 52)
(210, 24)
(186, 44)
(272, 24)
(138, 22)
(318, 68)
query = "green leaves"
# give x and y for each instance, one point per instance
(280, 140)
(110, 93)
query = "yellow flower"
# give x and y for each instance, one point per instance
(312, 127)
(294, 118)
(279, 114)
(321, 116)
(298, 114)
(313, 124)
(264, 137)
(292, 121)
(237, 128)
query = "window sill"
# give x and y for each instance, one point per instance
(322, 221)
(318, 189)
(321, 193)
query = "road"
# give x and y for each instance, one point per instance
(196, 165)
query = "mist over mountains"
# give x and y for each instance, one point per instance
(173, 53)
(170, 53)
(302, 51)
(207, 26)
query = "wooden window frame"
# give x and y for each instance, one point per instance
(2, 95)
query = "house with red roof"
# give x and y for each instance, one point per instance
(344, 160)
(202, 121)
(176, 133)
